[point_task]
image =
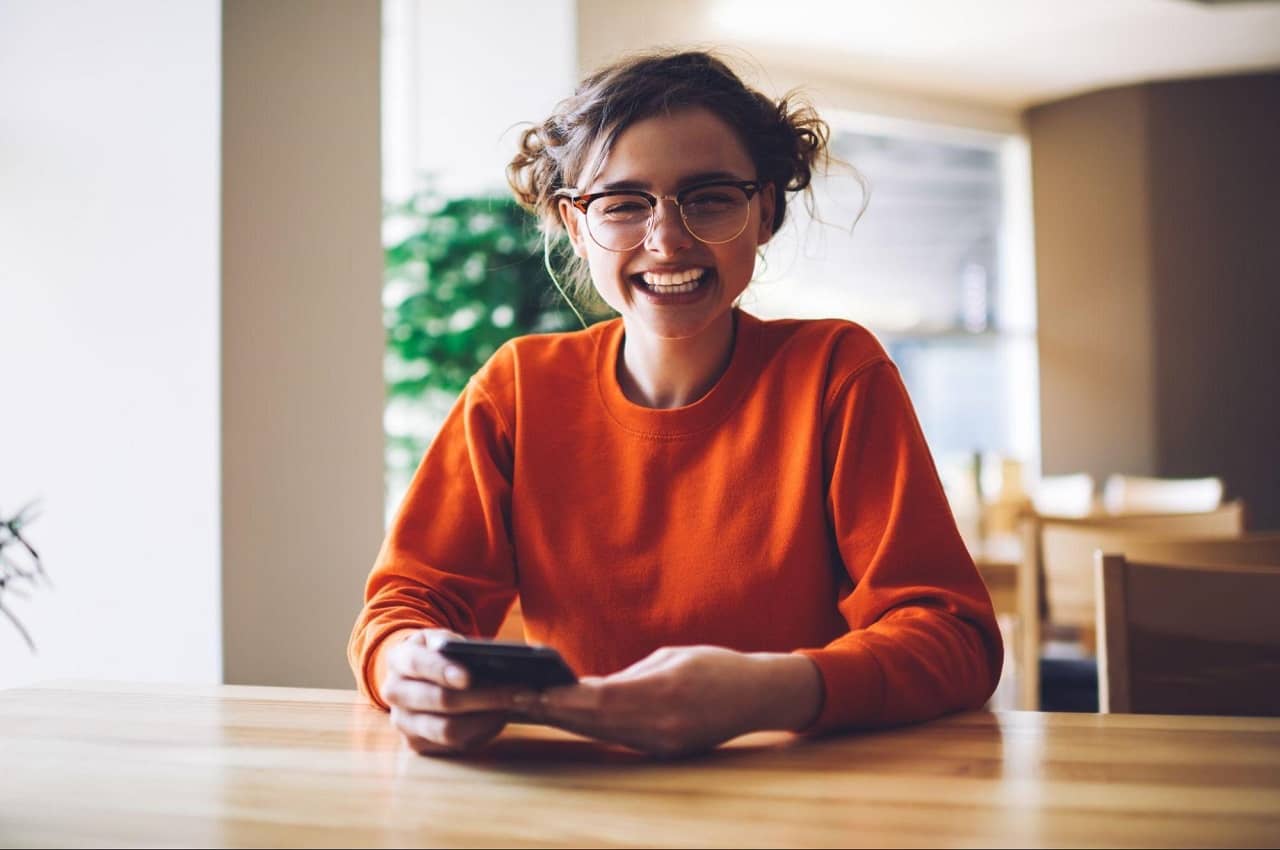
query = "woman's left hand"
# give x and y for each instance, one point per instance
(682, 700)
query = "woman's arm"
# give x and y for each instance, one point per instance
(922, 639)
(446, 562)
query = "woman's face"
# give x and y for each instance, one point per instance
(650, 285)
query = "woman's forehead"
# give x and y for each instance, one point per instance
(670, 150)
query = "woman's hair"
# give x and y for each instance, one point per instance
(785, 138)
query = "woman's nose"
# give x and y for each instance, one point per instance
(668, 234)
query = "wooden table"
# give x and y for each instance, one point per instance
(95, 764)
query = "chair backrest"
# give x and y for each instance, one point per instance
(1125, 494)
(1258, 549)
(1056, 586)
(1067, 547)
(1184, 639)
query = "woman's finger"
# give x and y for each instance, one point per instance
(450, 732)
(418, 658)
(420, 695)
(635, 734)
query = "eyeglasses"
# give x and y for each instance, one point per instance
(714, 213)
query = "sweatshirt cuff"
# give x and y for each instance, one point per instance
(852, 685)
(376, 667)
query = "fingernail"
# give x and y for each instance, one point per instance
(455, 676)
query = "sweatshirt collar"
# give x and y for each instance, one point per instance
(706, 412)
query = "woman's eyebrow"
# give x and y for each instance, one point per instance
(687, 180)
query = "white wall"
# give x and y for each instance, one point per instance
(608, 29)
(109, 333)
(190, 334)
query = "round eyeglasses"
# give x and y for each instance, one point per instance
(714, 213)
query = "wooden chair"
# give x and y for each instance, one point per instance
(1056, 598)
(1182, 639)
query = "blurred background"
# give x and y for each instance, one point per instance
(250, 251)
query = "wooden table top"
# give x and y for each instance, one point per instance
(109, 765)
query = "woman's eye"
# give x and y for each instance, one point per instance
(625, 208)
(705, 202)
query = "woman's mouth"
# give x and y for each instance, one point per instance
(673, 286)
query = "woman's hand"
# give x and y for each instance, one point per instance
(682, 700)
(431, 703)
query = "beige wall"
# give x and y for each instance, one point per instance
(1092, 238)
(1156, 212)
(301, 334)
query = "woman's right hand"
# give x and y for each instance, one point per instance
(431, 702)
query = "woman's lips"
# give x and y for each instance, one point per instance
(674, 288)
(665, 279)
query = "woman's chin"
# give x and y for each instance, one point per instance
(672, 325)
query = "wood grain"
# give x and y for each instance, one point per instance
(108, 765)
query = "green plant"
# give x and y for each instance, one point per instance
(24, 570)
(463, 276)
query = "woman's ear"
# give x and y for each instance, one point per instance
(570, 220)
(768, 204)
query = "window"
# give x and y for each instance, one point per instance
(939, 268)
(445, 147)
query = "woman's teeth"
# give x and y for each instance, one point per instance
(685, 281)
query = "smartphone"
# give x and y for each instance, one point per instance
(492, 662)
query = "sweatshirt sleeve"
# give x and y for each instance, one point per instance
(922, 637)
(447, 559)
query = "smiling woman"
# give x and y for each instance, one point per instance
(688, 153)
(723, 524)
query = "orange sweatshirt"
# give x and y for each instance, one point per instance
(795, 507)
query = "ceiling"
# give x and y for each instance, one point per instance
(1004, 53)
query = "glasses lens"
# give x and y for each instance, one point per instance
(715, 213)
(619, 222)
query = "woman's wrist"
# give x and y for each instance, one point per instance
(790, 686)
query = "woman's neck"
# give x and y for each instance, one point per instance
(667, 373)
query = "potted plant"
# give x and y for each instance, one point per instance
(462, 276)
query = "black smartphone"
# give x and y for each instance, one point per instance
(492, 662)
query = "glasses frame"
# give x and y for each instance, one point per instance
(581, 202)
